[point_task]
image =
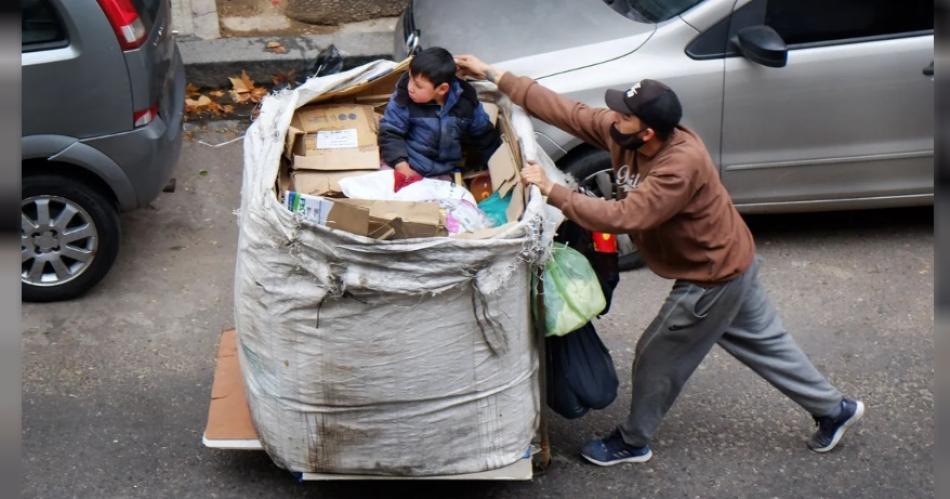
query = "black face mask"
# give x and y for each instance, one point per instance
(628, 141)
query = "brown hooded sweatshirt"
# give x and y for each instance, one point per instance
(679, 215)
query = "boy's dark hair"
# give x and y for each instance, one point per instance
(435, 64)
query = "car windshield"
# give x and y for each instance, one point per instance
(653, 11)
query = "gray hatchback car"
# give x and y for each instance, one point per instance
(103, 99)
(805, 105)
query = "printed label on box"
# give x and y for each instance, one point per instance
(337, 139)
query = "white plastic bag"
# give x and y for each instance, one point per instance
(379, 186)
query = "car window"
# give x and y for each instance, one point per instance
(40, 26)
(814, 21)
(653, 11)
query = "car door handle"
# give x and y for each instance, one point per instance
(929, 70)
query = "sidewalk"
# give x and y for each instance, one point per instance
(219, 41)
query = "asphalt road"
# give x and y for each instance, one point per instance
(116, 384)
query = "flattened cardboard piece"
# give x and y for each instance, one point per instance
(508, 135)
(392, 229)
(516, 205)
(384, 84)
(321, 183)
(419, 219)
(336, 137)
(503, 169)
(228, 415)
(353, 219)
(492, 110)
(329, 212)
(290, 142)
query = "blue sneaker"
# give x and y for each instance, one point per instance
(613, 450)
(830, 430)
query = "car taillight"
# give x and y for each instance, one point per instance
(145, 116)
(604, 243)
(125, 21)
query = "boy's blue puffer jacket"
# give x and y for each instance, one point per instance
(432, 139)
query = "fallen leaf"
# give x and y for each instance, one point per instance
(258, 93)
(191, 90)
(242, 84)
(203, 100)
(203, 173)
(193, 105)
(227, 108)
(273, 45)
(248, 82)
(216, 93)
(240, 98)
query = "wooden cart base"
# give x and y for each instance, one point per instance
(230, 427)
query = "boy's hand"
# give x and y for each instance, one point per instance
(404, 168)
(404, 175)
(534, 174)
(469, 65)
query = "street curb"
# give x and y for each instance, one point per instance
(209, 63)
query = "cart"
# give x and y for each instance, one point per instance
(230, 427)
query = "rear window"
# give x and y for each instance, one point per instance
(40, 26)
(653, 11)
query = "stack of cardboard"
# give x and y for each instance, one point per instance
(336, 136)
(328, 143)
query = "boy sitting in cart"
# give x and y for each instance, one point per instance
(431, 115)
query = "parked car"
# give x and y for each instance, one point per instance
(805, 105)
(103, 98)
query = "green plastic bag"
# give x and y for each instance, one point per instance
(572, 292)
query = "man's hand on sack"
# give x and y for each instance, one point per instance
(534, 174)
(404, 175)
(469, 65)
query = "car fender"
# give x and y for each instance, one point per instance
(69, 150)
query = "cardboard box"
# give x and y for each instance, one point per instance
(323, 211)
(492, 111)
(334, 137)
(320, 183)
(415, 219)
(363, 217)
(506, 179)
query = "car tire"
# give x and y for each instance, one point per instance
(69, 237)
(584, 167)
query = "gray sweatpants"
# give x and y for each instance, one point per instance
(740, 318)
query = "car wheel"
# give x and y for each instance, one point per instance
(593, 172)
(69, 237)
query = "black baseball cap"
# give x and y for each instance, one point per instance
(652, 101)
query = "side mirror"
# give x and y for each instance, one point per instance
(762, 45)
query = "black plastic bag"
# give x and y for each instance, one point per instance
(329, 61)
(580, 373)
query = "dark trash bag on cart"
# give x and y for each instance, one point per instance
(580, 373)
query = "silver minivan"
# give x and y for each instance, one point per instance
(102, 103)
(806, 105)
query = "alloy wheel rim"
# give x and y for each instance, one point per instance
(58, 240)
